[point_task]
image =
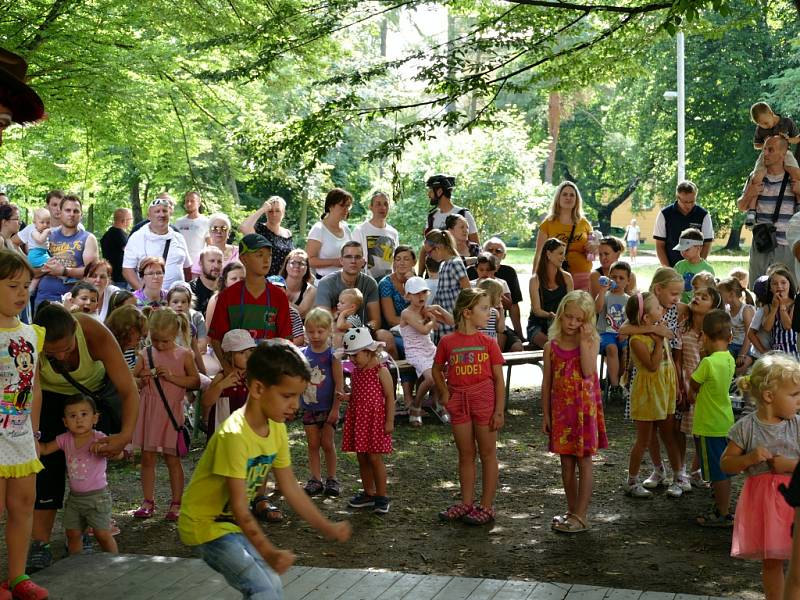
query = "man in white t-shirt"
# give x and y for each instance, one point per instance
(151, 240)
(194, 226)
(378, 239)
(440, 191)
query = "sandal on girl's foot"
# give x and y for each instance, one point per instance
(560, 518)
(713, 519)
(480, 515)
(455, 512)
(264, 510)
(572, 524)
(415, 417)
(22, 588)
(174, 511)
(146, 510)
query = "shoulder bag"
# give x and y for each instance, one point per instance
(565, 262)
(765, 235)
(106, 399)
(184, 439)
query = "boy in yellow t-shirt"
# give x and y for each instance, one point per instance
(215, 511)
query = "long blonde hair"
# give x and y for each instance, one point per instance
(577, 210)
(166, 319)
(663, 277)
(585, 303)
(769, 372)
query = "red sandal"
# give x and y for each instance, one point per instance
(455, 512)
(174, 511)
(480, 515)
(146, 510)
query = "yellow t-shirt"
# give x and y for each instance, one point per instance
(235, 451)
(577, 248)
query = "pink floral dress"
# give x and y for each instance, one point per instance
(577, 426)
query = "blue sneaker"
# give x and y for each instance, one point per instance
(361, 500)
(381, 504)
(39, 557)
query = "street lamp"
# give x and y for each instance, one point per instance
(680, 95)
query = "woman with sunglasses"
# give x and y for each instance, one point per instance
(280, 237)
(219, 228)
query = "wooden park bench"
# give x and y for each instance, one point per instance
(526, 357)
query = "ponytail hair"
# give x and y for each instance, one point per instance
(166, 319)
(467, 299)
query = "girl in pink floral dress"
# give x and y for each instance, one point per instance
(571, 407)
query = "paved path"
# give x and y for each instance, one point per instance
(140, 577)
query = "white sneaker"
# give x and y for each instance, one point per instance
(636, 490)
(684, 483)
(656, 479)
(674, 490)
(698, 481)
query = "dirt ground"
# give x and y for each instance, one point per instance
(640, 544)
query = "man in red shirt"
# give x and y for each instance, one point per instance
(253, 304)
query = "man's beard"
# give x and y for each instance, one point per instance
(210, 276)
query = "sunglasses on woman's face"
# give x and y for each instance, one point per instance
(219, 228)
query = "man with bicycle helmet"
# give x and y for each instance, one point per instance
(440, 191)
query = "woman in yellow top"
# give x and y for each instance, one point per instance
(566, 216)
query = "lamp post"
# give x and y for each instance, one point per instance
(680, 95)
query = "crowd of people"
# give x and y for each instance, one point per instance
(106, 346)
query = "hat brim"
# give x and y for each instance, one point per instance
(240, 348)
(341, 353)
(26, 105)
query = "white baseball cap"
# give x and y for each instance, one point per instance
(415, 285)
(237, 340)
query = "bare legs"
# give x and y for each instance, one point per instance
(467, 436)
(577, 486)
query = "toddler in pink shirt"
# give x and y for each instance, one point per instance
(89, 500)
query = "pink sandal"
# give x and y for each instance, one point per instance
(174, 511)
(480, 515)
(455, 512)
(146, 510)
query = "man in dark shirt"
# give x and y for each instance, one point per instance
(683, 214)
(204, 286)
(113, 244)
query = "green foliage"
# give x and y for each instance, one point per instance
(497, 178)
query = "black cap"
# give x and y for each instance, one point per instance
(252, 242)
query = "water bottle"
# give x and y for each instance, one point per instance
(592, 240)
(606, 281)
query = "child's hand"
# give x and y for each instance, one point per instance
(346, 312)
(339, 532)
(280, 560)
(333, 418)
(663, 331)
(162, 372)
(546, 424)
(231, 379)
(497, 421)
(388, 427)
(586, 334)
(760, 455)
(781, 464)
(343, 398)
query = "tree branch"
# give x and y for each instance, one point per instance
(634, 10)
(58, 8)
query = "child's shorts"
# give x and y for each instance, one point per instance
(233, 557)
(317, 417)
(633, 243)
(88, 509)
(474, 403)
(734, 349)
(709, 451)
(611, 337)
(37, 257)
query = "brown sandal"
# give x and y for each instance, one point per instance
(572, 524)
(264, 510)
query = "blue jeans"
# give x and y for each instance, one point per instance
(235, 558)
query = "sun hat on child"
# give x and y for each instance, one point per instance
(237, 340)
(415, 285)
(357, 339)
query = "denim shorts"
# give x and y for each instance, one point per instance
(235, 558)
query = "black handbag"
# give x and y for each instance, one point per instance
(765, 235)
(565, 262)
(184, 438)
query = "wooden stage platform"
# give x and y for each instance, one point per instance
(140, 577)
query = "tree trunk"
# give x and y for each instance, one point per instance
(735, 237)
(384, 35)
(303, 196)
(451, 34)
(136, 201)
(553, 127)
(230, 183)
(604, 212)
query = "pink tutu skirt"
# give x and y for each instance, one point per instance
(762, 527)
